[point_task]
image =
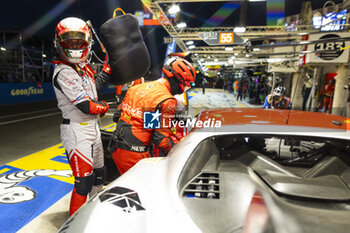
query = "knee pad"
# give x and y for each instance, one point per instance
(83, 185)
(100, 175)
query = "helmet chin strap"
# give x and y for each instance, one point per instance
(174, 85)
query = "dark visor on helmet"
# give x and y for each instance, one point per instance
(74, 40)
(74, 44)
(74, 35)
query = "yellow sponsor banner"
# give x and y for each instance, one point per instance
(53, 158)
(213, 67)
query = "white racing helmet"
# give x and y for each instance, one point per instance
(73, 40)
(279, 91)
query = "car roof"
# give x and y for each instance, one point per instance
(243, 116)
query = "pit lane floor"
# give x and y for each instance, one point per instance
(35, 177)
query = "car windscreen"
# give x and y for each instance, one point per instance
(286, 150)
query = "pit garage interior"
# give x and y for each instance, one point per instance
(299, 47)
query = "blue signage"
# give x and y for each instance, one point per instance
(17, 93)
(108, 88)
(171, 48)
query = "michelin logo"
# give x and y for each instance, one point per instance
(151, 120)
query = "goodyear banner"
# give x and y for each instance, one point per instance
(17, 93)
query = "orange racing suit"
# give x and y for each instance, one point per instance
(328, 92)
(132, 140)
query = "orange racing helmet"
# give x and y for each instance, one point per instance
(180, 69)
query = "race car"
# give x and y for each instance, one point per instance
(257, 171)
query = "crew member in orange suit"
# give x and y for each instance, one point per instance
(328, 92)
(133, 138)
(118, 88)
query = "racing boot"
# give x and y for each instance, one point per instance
(76, 202)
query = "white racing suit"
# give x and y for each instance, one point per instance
(76, 92)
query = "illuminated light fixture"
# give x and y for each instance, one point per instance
(189, 42)
(209, 57)
(191, 46)
(228, 48)
(44, 55)
(3, 49)
(174, 9)
(236, 54)
(247, 55)
(181, 25)
(233, 57)
(202, 59)
(196, 54)
(256, 49)
(216, 59)
(239, 29)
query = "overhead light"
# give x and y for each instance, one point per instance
(216, 59)
(181, 25)
(256, 49)
(189, 42)
(196, 54)
(3, 49)
(44, 55)
(202, 59)
(239, 29)
(228, 48)
(247, 55)
(174, 9)
(236, 54)
(209, 57)
(191, 46)
(233, 57)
